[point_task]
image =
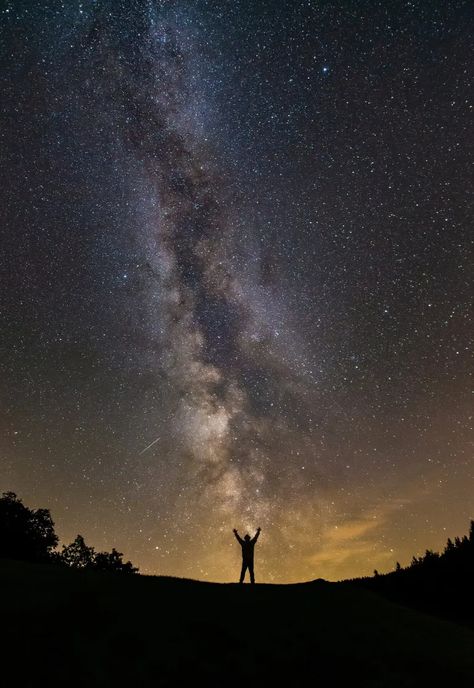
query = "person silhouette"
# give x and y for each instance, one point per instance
(248, 546)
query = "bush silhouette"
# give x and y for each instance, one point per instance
(25, 533)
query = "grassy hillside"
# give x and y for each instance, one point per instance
(67, 628)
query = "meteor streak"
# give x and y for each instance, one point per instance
(148, 447)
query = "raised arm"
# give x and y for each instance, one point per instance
(238, 537)
(255, 537)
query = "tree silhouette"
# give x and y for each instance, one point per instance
(25, 533)
(449, 547)
(112, 561)
(28, 534)
(78, 555)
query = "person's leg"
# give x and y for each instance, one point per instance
(242, 573)
(252, 577)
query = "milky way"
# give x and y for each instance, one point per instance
(236, 268)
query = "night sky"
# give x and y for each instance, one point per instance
(235, 278)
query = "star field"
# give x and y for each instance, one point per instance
(236, 279)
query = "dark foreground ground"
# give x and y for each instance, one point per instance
(66, 628)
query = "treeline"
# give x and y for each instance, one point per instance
(29, 535)
(438, 582)
(458, 554)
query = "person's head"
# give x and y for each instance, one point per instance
(247, 537)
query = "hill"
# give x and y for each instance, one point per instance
(63, 627)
